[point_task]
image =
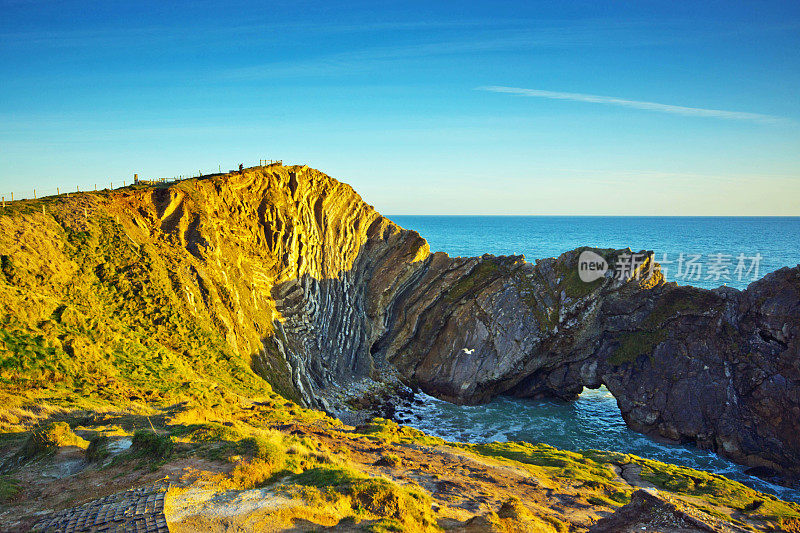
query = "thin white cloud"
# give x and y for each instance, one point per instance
(637, 104)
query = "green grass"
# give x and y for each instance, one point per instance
(261, 447)
(592, 468)
(208, 432)
(9, 488)
(328, 476)
(635, 344)
(481, 275)
(121, 331)
(98, 449)
(717, 490)
(682, 300)
(552, 461)
(571, 282)
(389, 431)
(381, 504)
(150, 445)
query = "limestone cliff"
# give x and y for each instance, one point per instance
(271, 267)
(287, 272)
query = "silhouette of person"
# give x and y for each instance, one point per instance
(241, 167)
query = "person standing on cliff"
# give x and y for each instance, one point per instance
(241, 168)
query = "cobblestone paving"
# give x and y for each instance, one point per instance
(133, 511)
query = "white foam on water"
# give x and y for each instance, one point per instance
(593, 421)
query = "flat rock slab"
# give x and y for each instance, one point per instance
(132, 511)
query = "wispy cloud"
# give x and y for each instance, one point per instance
(637, 104)
(122, 36)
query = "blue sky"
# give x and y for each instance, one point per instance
(639, 108)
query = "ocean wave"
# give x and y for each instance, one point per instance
(591, 422)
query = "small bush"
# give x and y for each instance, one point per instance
(598, 500)
(325, 476)
(149, 444)
(98, 449)
(620, 496)
(209, 432)
(391, 460)
(516, 517)
(378, 426)
(513, 508)
(752, 506)
(390, 431)
(267, 448)
(381, 497)
(248, 475)
(47, 439)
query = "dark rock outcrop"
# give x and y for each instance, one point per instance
(719, 368)
(648, 512)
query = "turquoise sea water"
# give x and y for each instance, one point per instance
(594, 420)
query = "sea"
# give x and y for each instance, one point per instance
(701, 251)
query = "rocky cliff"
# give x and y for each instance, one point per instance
(287, 272)
(719, 368)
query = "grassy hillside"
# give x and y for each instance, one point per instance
(89, 319)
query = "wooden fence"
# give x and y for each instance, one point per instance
(34, 194)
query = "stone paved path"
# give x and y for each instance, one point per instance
(133, 511)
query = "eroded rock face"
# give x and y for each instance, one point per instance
(317, 290)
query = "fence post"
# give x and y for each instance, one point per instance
(78, 187)
(95, 187)
(112, 185)
(43, 210)
(34, 194)
(4, 202)
(58, 191)
(12, 196)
